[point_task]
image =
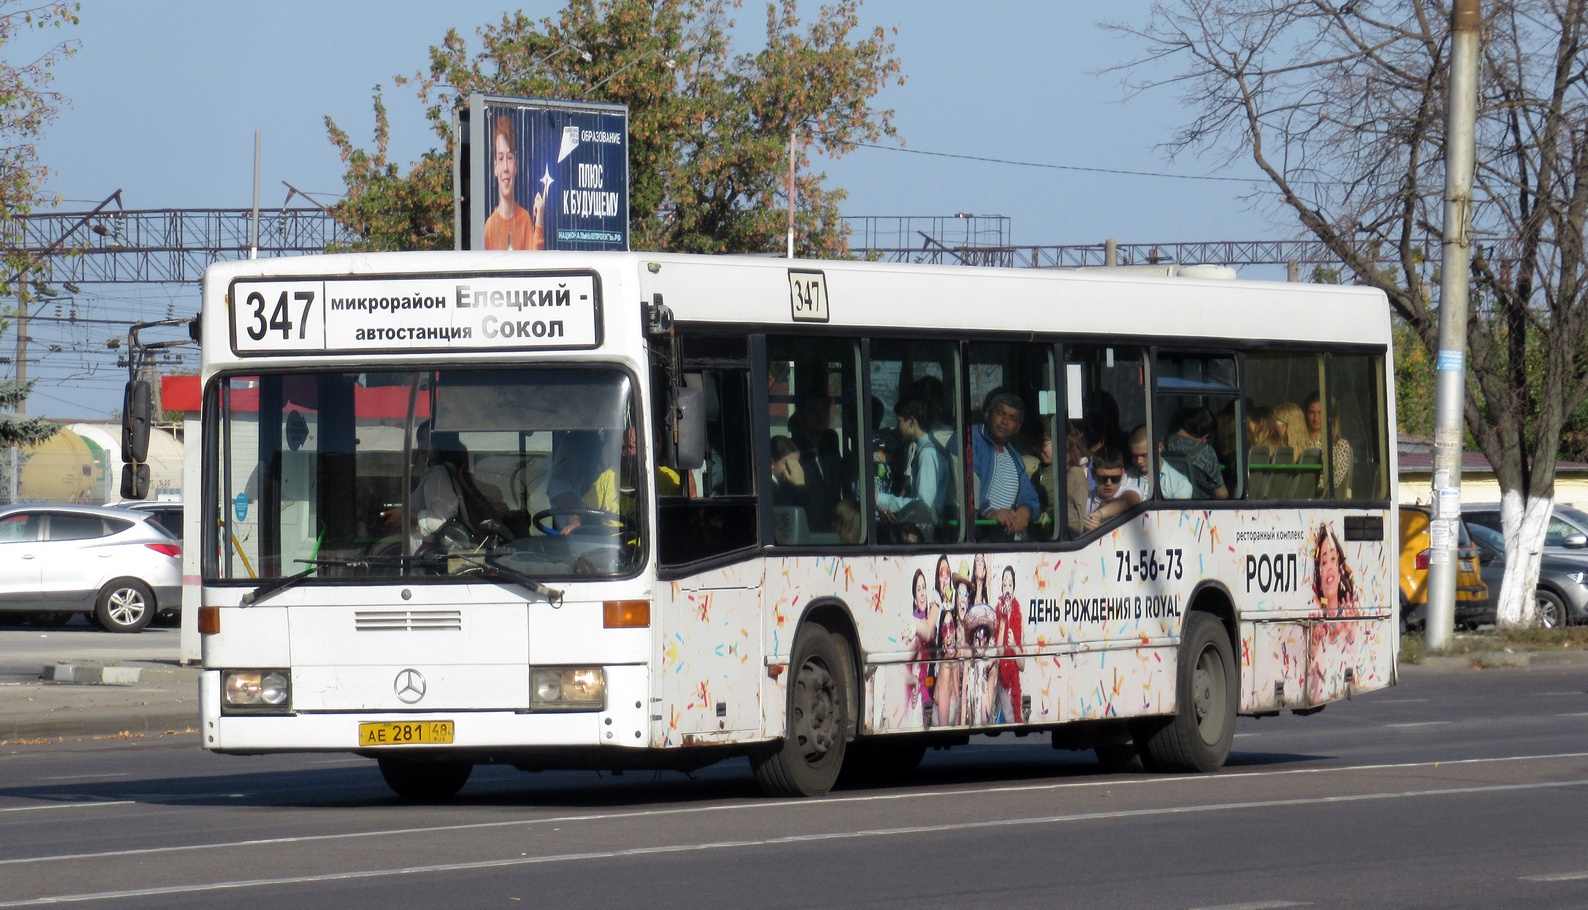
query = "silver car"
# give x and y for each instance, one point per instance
(118, 566)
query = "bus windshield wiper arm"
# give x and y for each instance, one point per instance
(489, 566)
(276, 586)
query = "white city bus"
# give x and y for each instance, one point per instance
(631, 510)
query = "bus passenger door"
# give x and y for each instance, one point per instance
(711, 660)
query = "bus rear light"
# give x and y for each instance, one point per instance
(626, 614)
(1422, 561)
(209, 620)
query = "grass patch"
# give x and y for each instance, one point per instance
(1414, 647)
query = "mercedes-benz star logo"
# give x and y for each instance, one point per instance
(410, 686)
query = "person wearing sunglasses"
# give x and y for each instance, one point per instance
(1109, 495)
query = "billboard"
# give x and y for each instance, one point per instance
(542, 175)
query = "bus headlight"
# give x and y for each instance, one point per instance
(256, 692)
(567, 689)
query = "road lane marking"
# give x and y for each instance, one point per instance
(1556, 877)
(914, 794)
(83, 805)
(1421, 723)
(85, 776)
(1255, 905)
(786, 840)
(1574, 714)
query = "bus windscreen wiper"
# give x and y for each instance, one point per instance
(490, 567)
(277, 585)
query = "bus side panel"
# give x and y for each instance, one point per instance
(711, 666)
(1094, 632)
(1273, 666)
(1349, 656)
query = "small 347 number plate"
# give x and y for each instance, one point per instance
(408, 733)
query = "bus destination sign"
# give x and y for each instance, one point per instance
(483, 312)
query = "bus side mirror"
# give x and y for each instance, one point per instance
(691, 451)
(137, 413)
(134, 481)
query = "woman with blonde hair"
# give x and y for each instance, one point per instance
(1292, 426)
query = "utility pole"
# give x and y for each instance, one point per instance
(1466, 23)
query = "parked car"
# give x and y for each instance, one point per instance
(1566, 536)
(1472, 595)
(118, 566)
(167, 514)
(1562, 593)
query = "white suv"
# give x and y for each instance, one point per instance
(118, 566)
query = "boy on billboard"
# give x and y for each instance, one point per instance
(511, 226)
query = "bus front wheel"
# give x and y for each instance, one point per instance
(424, 780)
(1199, 734)
(807, 760)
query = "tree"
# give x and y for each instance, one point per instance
(1342, 105)
(709, 131)
(26, 106)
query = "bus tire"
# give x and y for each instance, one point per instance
(807, 760)
(424, 780)
(124, 605)
(1198, 735)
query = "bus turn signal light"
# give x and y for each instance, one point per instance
(626, 614)
(209, 622)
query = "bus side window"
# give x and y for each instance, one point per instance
(814, 420)
(1105, 404)
(917, 453)
(711, 510)
(1022, 376)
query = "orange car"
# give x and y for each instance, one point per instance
(1472, 595)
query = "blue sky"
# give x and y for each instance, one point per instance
(165, 97)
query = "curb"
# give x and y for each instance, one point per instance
(1486, 660)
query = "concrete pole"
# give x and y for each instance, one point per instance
(1466, 22)
(791, 191)
(253, 237)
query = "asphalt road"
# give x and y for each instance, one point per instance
(1461, 789)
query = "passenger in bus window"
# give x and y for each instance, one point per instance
(1005, 494)
(1138, 476)
(1109, 496)
(1262, 428)
(929, 476)
(810, 431)
(1038, 458)
(511, 226)
(1188, 441)
(1292, 425)
(788, 474)
(1077, 479)
(847, 523)
(1102, 421)
(1339, 449)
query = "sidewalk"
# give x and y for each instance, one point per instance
(95, 699)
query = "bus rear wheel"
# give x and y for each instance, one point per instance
(1199, 734)
(424, 780)
(807, 760)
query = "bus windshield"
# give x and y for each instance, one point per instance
(431, 473)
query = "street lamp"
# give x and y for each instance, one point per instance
(565, 46)
(667, 61)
